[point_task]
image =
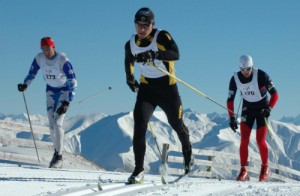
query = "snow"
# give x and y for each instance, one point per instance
(34, 180)
(106, 141)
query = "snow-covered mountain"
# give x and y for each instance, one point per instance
(106, 139)
(289, 119)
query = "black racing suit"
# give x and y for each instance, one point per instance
(153, 92)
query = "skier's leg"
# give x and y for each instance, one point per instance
(247, 121)
(261, 134)
(263, 148)
(172, 106)
(245, 129)
(58, 98)
(50, 113)
(245, 138)
(142, 113)
(59, 132)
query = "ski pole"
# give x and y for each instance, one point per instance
(271, 143)
(163, 167)
(92, 96)
(154, 136)
(37, 154)
(237, 113)
(186, 84)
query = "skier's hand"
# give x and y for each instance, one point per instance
(63, 108)
(266, 112)
(22, 87)
(233, 124)
(132, 83)
(147, 56)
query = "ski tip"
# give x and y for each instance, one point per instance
(99, 187)
(163, 180)
(136, 182)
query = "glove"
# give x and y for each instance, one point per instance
(233, 124)
(266, 112)
(132, 83)
(22, 87)
(63, 108)
(147, 56)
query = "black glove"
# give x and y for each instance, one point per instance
(233, 124)
(63, 108)
(266, 112)
(147, 56)
(132, 83)
(22, 87)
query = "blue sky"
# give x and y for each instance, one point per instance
(211, 36)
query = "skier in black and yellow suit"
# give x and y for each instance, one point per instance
(155, 88)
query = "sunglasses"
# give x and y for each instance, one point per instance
(142, 26)
(246, 69)
(46, 49)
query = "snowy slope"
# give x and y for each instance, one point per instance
(32, 180)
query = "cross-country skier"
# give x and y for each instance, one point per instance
(155, 88)
(61, 82)
(254, 85)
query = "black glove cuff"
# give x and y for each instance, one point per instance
(154, 54)
(130, 79)
(66, 103)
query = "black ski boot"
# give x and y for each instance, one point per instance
(137, 177)
(189, 160)
(58, 162)
(53, 158)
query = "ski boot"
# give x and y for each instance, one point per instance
(243, 176)
(190, 166)
(137, 177)
(57, 163)
(53, 158)
(264, 173)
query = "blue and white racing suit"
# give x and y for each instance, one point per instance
(61, 83)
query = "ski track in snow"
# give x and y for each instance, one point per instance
(34, 180)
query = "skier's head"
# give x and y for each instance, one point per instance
(47, 46)
(144, 22)
(246, 65)
(47, 41)
(246, 61)
(144, 15)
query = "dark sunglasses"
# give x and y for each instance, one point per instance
(46, 49)
(246, 69)
(142, 26)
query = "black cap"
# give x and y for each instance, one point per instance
(144, 15)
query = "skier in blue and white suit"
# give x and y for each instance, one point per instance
(61, 83)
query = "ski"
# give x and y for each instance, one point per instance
(118, 185)
(180, 177)
(110, 185)
(102, 183)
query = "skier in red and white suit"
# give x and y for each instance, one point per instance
(254, 85)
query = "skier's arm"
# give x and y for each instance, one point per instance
(32, 72)
(129, 61)
(71, 79)
(168, 50)
(272, 90)
(231, 95)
